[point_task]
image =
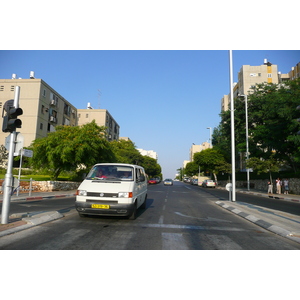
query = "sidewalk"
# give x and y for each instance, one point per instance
(279, 222)
(18, 222)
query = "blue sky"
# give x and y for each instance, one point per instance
(162, 100)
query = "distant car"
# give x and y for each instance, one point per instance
(152, 181)
(209, 183)
(185, 179)
(194, 181)
(168, 181)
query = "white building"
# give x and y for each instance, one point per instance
(149, 153)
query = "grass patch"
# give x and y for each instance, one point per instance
(40, 177)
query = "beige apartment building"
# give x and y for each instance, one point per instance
(198, 148)
(103, 118)
(251, 75)
(248, 77)
(43, 108)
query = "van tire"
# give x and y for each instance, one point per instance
(133, 215)
(143, 206)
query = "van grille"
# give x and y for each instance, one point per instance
(102, 195)
(101, 201)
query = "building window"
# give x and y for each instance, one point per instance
(67, 110)
(1, 88)
(87, 115)
(41, 126)
(44, 93)
(12, 88)
(269, 75)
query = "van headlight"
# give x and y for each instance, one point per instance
(125, 195)
(81, 192)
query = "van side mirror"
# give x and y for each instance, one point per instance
(141, 178)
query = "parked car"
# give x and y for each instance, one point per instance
(158, 180)
(152, 181)
(168, 181)
(194, 181)
(209, 183)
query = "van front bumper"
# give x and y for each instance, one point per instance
(85, 208)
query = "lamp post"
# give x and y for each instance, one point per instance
(232, 127)
(247, 139)
(210, 141)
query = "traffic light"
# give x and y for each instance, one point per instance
(10, 120)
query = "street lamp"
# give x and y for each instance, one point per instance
(210, 141)
(247, 138)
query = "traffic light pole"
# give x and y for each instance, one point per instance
(9, 176)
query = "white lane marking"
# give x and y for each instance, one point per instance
(203, 219)
(173, 241)
(118, 240)
(161, 220)
(191, 227)
(223, 242)
(61, 241)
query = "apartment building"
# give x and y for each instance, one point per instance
(43, 107)
(249, 76)
(102, 118)
(198, 148)
(149, 153)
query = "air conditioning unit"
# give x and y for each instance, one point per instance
(52, 119)
(53, 102)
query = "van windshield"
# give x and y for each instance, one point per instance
(111, 172)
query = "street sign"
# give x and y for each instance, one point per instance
(27, 153)
(18, 145)
(229, 187)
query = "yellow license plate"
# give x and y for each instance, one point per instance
(103, 206)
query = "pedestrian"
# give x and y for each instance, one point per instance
(270, 187)
(286, 186)
(278, 186)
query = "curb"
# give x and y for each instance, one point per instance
(40, 197)
(271, 227)
(261, 194)
(33, 220)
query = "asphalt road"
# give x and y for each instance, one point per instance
(179, 217)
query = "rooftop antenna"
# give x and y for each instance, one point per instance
(99, 95)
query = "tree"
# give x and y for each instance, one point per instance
(152, 168)
(71, 146)
(212, 160)
(264, 166)
(3, 155)
(191, 169)
(126, 152)
(272, 123)
(272, 113)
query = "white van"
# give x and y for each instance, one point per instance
(112, 189)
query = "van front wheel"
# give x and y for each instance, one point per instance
(133, 215)
(143, 206)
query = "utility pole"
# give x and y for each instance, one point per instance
(10, 123)
(232, 127)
